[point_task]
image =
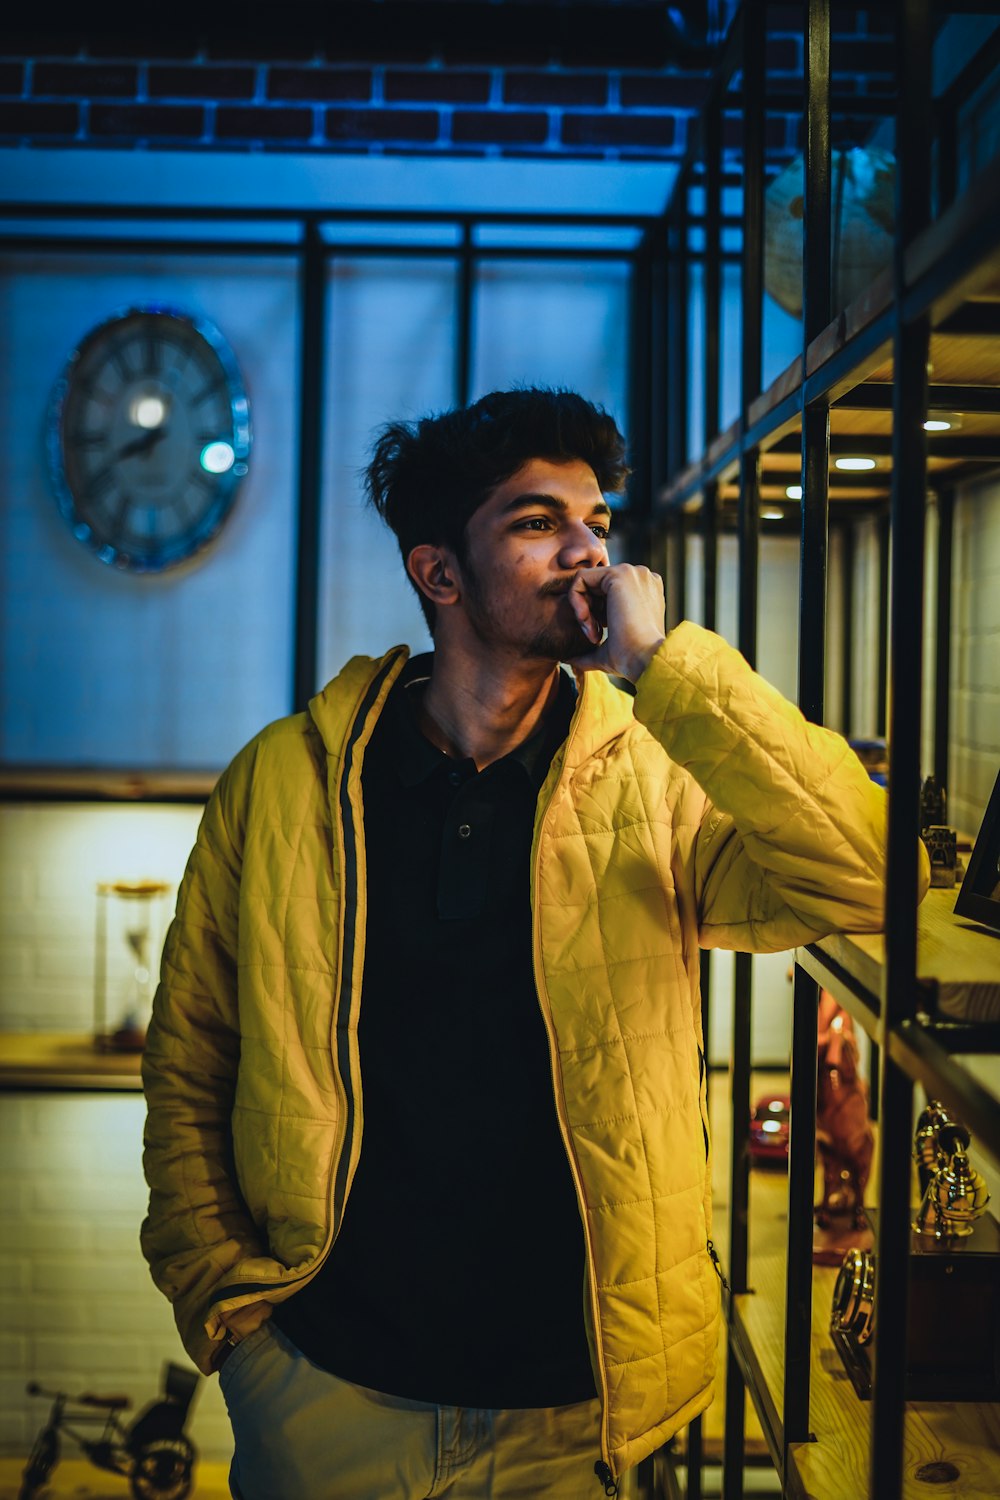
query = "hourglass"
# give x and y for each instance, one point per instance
(131, 924)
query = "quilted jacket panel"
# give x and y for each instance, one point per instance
(703, 812)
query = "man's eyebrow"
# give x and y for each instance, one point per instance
(550, 502)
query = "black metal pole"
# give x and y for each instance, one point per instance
(739, 1165)
(882, 679)
(942, 634)
(801, 1178)
(710, 560)
(752, 267)
(847, 566)
(676, 335)
(817, 266)
(463, 328)
(712, 272)
(640, 422)
(312, 343)
(695, 1460)
(817, 305)
(911, 343)
(813, 560)
(733, 1440)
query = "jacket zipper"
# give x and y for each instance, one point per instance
(702, 1070)
(253, 1291)
(602, 1469)
(714, 1257)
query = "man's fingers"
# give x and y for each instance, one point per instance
(580, 604)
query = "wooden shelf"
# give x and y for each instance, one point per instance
(45, 1060)
(835, 1465)
(958, 964)
(93, 784)
(958, 975)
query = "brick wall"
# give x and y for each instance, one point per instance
(77, 1307)
(515, 92)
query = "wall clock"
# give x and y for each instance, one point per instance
(148, 438)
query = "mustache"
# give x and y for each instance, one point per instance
(559, 585)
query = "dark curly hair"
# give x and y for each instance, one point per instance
(427, 478)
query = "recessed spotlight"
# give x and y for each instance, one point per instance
(772, 515)
(937, 424)
(855, 464)
(793, 492)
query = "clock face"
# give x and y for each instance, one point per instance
(149, 437)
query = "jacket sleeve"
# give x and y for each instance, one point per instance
(790, 835)
(198, 1225)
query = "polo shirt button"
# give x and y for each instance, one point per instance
(464, 830)
(455, 777)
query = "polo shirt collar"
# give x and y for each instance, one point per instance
(416, 759)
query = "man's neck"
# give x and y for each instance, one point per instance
(484, 706)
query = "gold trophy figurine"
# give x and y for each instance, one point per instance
(954, 1192)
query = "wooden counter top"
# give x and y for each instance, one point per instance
(57, 1060)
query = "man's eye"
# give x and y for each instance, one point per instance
(601, 532)
(534, 523)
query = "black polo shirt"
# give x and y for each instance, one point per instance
(458, 1274)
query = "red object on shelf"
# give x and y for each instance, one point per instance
(769, 1128)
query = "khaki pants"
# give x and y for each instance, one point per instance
(302, 1434)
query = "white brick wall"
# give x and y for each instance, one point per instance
(78, 1309)
(51, 858)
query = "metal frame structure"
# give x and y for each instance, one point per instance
(310, 237)
(930, 258)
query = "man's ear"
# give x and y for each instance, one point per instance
(432, 569)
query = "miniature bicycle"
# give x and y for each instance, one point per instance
(152, 1451)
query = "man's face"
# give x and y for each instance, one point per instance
(523, 547)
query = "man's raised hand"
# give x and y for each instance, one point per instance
(625, 604)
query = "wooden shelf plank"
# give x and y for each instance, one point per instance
(835, 1465)
(45, 1060)
(958, 961)
(103, 784)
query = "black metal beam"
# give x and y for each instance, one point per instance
(942, 634)
(463, 317)
(640, 415)
(961, 399)
(312, 343)
(848, 562)
(882, 663)
(973, 320)
(880, 445)
(711, 277)
(801, 1181)
(911, 347)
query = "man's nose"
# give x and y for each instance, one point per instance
(582, 549)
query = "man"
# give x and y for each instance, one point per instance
(427, 1139)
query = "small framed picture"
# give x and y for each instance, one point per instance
(979, 897)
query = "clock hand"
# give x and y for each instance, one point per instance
(143, 444)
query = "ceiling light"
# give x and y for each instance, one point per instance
(937, 424)
(855, 464)
(772, 515)
(793, 492)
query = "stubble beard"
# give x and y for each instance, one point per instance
(555, 641)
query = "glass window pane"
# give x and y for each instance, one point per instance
(390, 343)
(558, 323)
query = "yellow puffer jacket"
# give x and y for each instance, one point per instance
(703, 811)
